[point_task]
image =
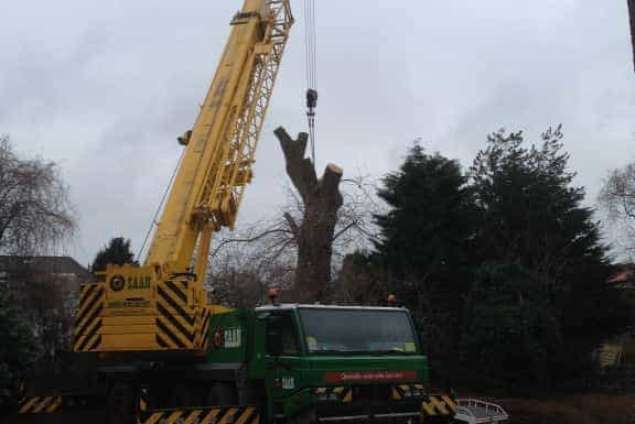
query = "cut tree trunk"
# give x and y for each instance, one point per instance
(314, 235)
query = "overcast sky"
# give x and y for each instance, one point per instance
(104, 87)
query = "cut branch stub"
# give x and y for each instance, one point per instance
(299, 168)
(330, 182)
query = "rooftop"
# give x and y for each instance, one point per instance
(48, 264)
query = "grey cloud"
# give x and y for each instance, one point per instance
(104, 88)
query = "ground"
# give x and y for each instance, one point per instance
(575, 409)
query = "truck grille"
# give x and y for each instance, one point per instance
(370, 401)
(371, 393)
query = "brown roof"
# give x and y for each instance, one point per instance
(49, 264)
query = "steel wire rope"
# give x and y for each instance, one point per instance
(310, 41)
(161, 202)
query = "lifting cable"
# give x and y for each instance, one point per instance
(311, 70)
(156, 213)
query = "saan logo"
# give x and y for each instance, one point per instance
(232, 337)
(288, 383)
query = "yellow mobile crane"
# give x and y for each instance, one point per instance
(162, 305)
(157, 352)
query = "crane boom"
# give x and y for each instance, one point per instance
(221, 145)
(162, 305)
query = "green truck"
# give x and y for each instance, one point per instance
(285, 363)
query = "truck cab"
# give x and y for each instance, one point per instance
(331, 363)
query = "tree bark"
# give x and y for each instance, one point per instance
(314, 235)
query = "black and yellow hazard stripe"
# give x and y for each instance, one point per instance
(176, 321)
(341, 393)
(202, 325)
(438, 405)
(41, 405)
(242, 415)
(88, 320)
(406, 391)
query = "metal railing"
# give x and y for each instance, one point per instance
(475, 411)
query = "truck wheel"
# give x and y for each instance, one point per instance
(221, 394)
(121, 404)
(306, 417)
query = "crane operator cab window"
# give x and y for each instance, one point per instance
(282, 337)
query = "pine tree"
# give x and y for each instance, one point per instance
(512, 339)
(531, 215)
(425, 245)
(426, 231)
(117, 252)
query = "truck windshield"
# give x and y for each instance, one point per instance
(358, 331)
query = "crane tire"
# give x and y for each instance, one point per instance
(222, 394)
(186, 395)
(121, 404)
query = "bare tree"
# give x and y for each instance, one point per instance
(35, 213)
(46, 300)
(617, 198)
(243, 266)
(35, 216)
(264, 254)
(300, 248)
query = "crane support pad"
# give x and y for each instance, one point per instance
(213, 415)
(41, 405)
(438, 405)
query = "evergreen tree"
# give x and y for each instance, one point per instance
(512, 338)
(117, 252)
(426, 231)
(504, 265)
(532, 215)
(425, 244)
(530, 211)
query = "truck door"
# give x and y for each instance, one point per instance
(283, 360)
